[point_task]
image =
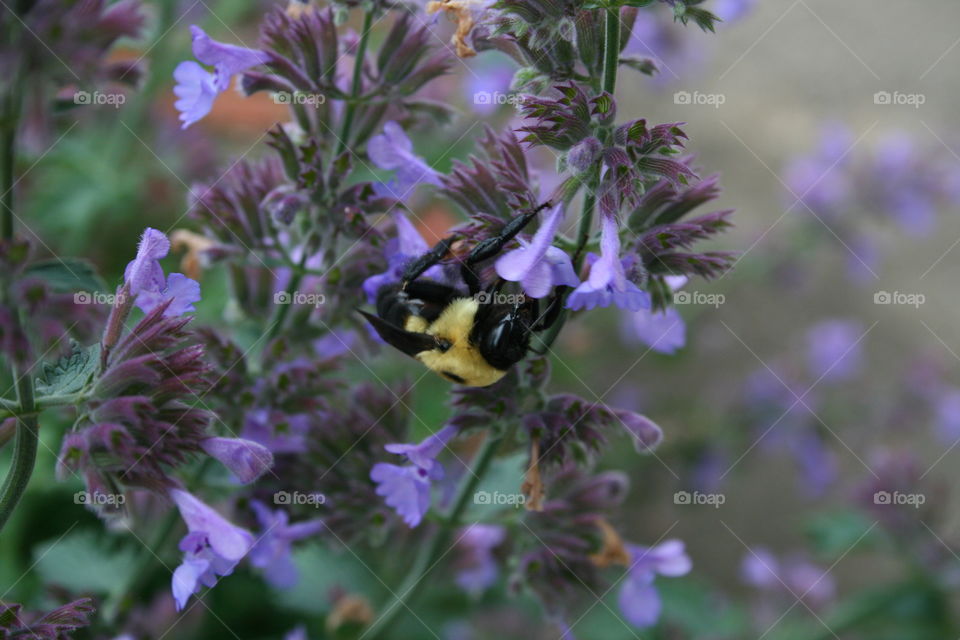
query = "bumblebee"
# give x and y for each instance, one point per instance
(470, 339)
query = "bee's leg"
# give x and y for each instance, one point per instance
(490, 247)
(551, 314)
(416, 268)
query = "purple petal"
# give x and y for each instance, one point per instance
(186, 579)
(409, 240)
(404, 489)
(246, 459)
(639, 600)
(196, 91)
(663, 331)
(391, 149)
(227, 540)
(423, 454)
(144, 273)
(760, 569)
(227, 59)
(180, 289)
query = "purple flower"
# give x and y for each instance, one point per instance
(833, 349)
(392, 150)
(639, 600)
(407, 489)
(644, 431)
(144, 275)
(212, 548)
(795, 576)
(539, 266)
(196, 87)
(608, 282)
(489, 79)
(246, 459)
(408, 244)
(271, 553)
(479, 569)
(277, 431)
(424, 454)
(663, 331)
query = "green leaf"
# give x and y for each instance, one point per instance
(81, 563)
(67, 275)
(71, 373)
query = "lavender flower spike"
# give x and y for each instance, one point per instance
(212, 548)
(246, 459)
(608, 282)
(393, 150)
(539, 266)
(196, 87)
(145, 277)
(639, 600)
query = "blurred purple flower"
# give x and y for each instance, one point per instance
(489, 79)
(277, 431)
(145, 277)
(607, 282)
(663, 331)
(196, 87)
(408, 244)
(834, 350)
(795, 576)
(820, 179)
(478, 569)
(948, 416)
(639, 600)
(392, 150)
(271, 552)
(538, 265)
(818, 464)
(212, 548)
(407, 489)
(246, 459)
(732, 10)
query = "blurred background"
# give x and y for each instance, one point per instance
(816, 376)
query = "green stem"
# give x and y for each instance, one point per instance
(24, 451)
(611, 50)
(283, 309)
(431, 554)
(351, 109)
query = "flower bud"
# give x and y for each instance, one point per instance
(584, 154)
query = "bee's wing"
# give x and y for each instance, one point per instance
(409, 342)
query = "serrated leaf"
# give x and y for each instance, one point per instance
(67, 275)
(71, 373)
(81, 563)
